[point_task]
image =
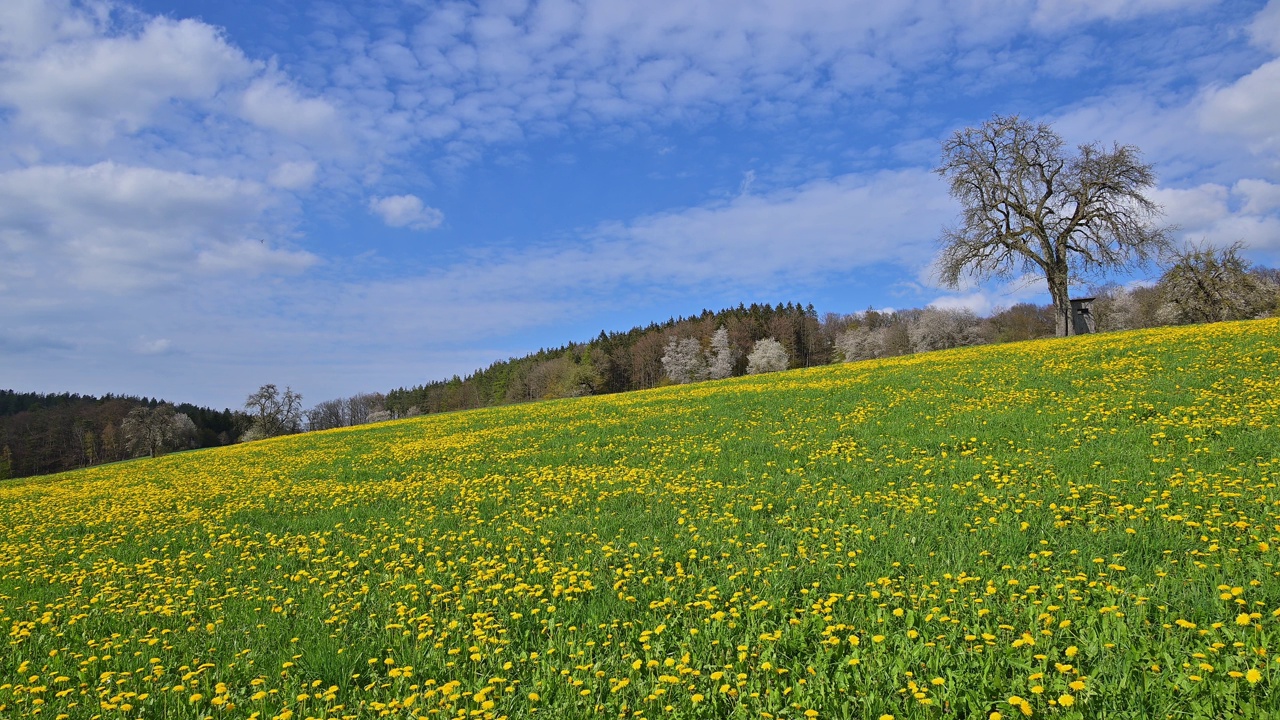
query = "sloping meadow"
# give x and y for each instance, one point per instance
(1072, 528)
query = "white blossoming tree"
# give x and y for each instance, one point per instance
(721, 365)
(768, 355)
(683, 361)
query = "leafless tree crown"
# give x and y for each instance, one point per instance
(1029, 205)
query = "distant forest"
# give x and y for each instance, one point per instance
(46, 433)
(619, 361)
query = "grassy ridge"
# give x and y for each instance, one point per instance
(1078, 528)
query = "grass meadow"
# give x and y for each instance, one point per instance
(1064, 529)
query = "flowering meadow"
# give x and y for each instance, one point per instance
(1072, 528)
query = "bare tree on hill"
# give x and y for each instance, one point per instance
(273, 413)
(1204, 284)
(1030, 205)
(327, 415)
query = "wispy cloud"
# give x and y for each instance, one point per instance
(823, 229)
(156, 346)
(996, 296)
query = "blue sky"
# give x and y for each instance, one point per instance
(197, 198)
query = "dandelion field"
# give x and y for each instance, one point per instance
(1066, 529)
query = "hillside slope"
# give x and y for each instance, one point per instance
(1067, 528)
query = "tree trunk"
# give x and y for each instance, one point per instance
(1058, 290)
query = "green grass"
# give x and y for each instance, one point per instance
(831, 541)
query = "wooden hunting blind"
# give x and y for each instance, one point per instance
(1082, 321)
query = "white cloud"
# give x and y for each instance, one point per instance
(829, 225)
(475, 73)
(1245, 212)
(1193, 207)
(99, 80)
(1059, 13)
(1247, 108)
(27, 26)
(406, 211)
(1259, 196)
(252, 258)
(274, 103)
(293, 175)
(95, 88)
(157, 346)
(984, 301)
(489, 72)
(472, 74)
(978, 303)
(116, 228)
(1265, 28)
